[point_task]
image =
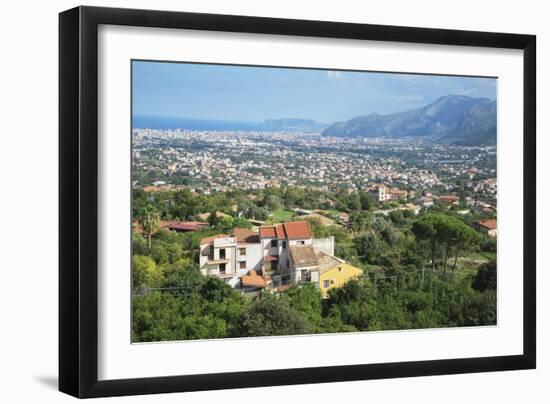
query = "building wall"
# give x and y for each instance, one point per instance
(230, 256)
(284, 258)
(303, 241)
(296, 273)
(253, 258)
(325, 245)
(203, 255)
(266, 247)
(338, 276)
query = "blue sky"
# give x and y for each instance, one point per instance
(253, 94)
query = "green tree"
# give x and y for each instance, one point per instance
(149, 220)
(360, 221)
(273, 202)
(308, 301)
(241, 222)
(448, 230)
(465, 238)
(270, 315)
(486, 277)
(164, 317)
(213, 219)
(367, 201)
(426, 229)
(145, 272)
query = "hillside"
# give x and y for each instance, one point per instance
(453, 119)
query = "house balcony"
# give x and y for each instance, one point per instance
(214, 271)
(270, 264)
(212, 261)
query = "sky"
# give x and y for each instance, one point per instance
(253, 94)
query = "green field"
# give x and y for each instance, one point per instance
(282, 215)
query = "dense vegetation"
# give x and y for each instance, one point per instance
(425, 271)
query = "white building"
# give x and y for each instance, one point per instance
(281, 253)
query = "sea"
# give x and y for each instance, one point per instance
(162, 122)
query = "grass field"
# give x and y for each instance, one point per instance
(282, 215)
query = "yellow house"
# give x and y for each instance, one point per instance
(335, 272)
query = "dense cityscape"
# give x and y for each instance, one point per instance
(217, 161)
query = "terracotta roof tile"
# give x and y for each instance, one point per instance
(303, 255)
(289, 230)
(268, 232)
(490, 224)
(255, 280)
(187, 226)
(246, 236)
(297, 230)
(280, 230)
(162, 224)
(208, 240)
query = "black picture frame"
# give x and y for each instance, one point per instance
(78, 201)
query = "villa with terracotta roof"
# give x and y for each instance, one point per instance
(488, 226)
(382, 193)
(449, 199)
(277, 254)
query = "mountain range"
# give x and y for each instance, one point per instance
(452, 119)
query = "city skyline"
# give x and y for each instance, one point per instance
(238, 93)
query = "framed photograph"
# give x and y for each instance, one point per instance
(251, 201)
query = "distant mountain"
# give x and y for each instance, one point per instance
(477, 127)
(292, 124)
(451, 119)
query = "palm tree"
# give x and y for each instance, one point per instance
(149, 220)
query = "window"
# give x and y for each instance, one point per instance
(242, 264)
(222, 253)
(301, 242)
(326, 284)
(273, 243)
(284, 244)
(242, 251)
(222, 269)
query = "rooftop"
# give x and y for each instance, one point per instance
(255, 280)
(268, 232)
(327, 262)
(303, 255)
(208, 240)
(246, 236)
(187, 226)
(489, 224)
(288, 230)
(162, 224)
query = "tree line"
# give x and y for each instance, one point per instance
(172, 300)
